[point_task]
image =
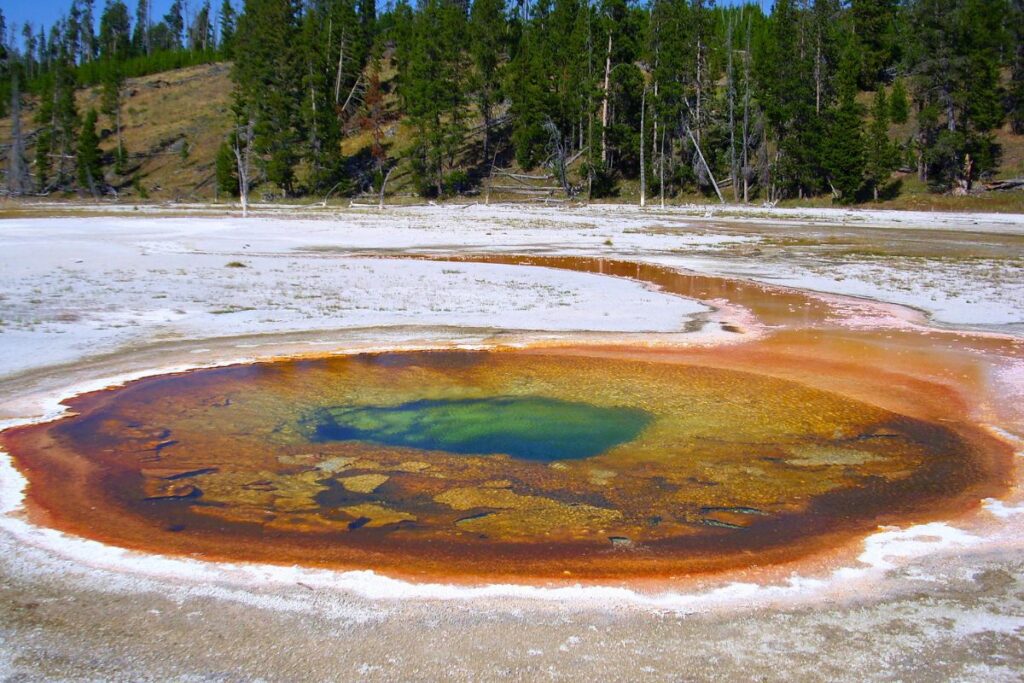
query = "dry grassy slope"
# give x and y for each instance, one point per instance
(174, 123)
(162, 114)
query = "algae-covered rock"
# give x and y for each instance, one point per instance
(363, 483)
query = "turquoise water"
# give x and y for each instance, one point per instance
(530, 427)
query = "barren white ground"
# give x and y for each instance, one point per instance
(87, 299)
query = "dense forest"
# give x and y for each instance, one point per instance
(670, 96)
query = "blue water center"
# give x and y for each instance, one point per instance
(528, 427)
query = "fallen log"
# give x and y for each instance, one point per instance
(1001, 185)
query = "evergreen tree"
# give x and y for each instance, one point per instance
(18, 181)
(487, 45)
(434, 92)
(843, 151)
(174, 20)
(843, 154)
(200, 33)
(29, 38)
(1016, 99)
(140, 38)
(87, 35)
(115, 31)
(110, 106)
(5, 64)
(58, 118)
(72, 30)
(787, 96)
(44, 134)
(954, 59)
(899, 108)
(89, 158)
(268, 78)
(226, 173)
(531, 92)
(881, 154)
(873, 23)
(318, 116)
(227, 22)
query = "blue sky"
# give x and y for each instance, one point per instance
(17, 12)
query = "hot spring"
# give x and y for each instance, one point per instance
(536, 463)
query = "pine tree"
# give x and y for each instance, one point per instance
(200, 32)
(530, 94)
(881, 156)
(87, 37)
(174, 20)
(18, 181)
(487, 45)
(63, 123)
(110, 105)
(842, 154)
(226, 173)
(318, 115)
(899, 108)
(89, 158)
(44, 135)
(1016, 109)
(954, 56)
(873, 24)
(268, 77)
(140, 38)
(72, 34)
(787, 95)
(434, 92)
(227, 21)
(115, 31)
(29, 38)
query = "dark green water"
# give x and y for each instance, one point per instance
(529, 427)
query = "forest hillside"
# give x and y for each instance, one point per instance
(904, 104)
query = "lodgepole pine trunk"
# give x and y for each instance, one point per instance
(643, 166)
(604, 100)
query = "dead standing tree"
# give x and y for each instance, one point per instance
(559, 151)
(243, 158)
(643, 164)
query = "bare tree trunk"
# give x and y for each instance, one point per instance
(341, 64)
(817, 73)
(243, 157)
(643, 164)
(604, 102)
(383, 186)
(654, 125)
(662, 164)
(351, 93)
(706, 167)
(698, 85)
